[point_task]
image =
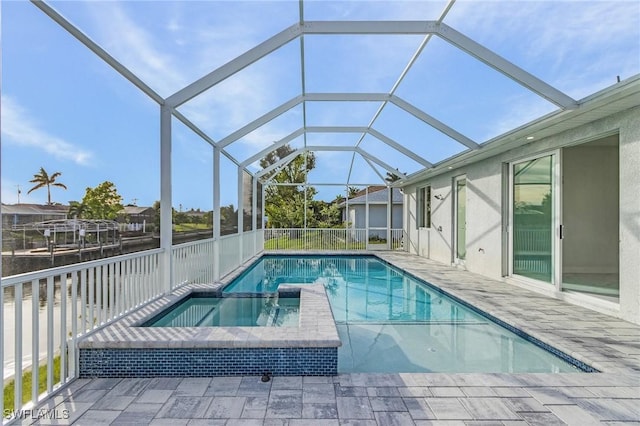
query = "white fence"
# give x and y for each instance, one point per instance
(331, 239)
(54, 307)
(45, 312)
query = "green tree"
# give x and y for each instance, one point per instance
(42, 179)
(392, 177)
(78, 209)
(103, 201)
(352, 191)
(284, 205)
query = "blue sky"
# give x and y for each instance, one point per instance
(65, 110)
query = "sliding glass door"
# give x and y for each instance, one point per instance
(533, 218)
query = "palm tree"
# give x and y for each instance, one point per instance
(78, 209)
(43, 179)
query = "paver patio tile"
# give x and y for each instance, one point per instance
(476, 391)
(357, 407)
(515, 392)
(170, 422)
(574, 415)
(286, 382)
(102, 383)
(255, 407)
(185, 407)
(164, 383)
(284, 404)
(616, 392)
(129, 387)
(414, 391)
(611, 409)
(448, 409)
(225, 407)
(98, 417)
(138, 414)
(192, 386)
(320, 410)
(541, 419)
(451, 391)
(113, 402)
(394, 418)
(223, 386)
(159, 396)
(88, 395)
(349, 390)
(383, 391)
(530, 405)
(244, 422)
(314, 422)
(357, 422)
(318, 393)
(387, 404)
(488, 409)
(253, 386)
(419, 409)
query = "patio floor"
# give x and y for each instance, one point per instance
(606, 343)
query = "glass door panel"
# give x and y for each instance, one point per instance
(533, 219)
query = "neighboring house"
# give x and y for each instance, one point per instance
(377, 198)
(137, 218)
(21, 214)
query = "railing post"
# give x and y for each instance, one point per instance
(389, 216)
(166, 220)
(216, 213)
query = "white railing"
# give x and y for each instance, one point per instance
(193, 262)
(397, 239)
(52, 308)
(330, 239)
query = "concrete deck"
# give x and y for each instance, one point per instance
(611, 397)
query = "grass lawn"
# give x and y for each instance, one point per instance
(9, 389)
(313, 241)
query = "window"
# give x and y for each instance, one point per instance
(424, 207)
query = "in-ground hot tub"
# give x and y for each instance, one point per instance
(131, 348)
(203, 309)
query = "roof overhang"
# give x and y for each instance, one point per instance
(615, 99)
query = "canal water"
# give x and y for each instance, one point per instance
(26, 336)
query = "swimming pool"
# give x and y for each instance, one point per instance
(390, 321)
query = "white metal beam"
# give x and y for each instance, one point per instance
(369, 27)
(329, 148)
(195, 129)
(99, 51)
(282, 162)
(381, 163)
(272, 147)
(166, 216)
(261, 121)
(395, 145)
(346, 97)
(336, 129)
(433, 122)
(235, 65)
(507, 68)
(375, 170)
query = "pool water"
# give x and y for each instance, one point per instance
(389, 321)
(203, 310)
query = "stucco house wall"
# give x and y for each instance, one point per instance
(485, 207)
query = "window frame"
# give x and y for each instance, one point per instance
(423, 206)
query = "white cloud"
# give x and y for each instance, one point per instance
(127, 41)
(18, 128)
